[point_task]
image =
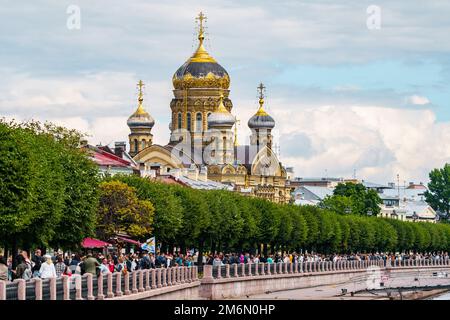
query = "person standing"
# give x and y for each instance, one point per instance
(91, 264)
(37, 260)
(3, 269)
(60, 266)
(47, 269)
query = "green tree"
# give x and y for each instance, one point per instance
(438, 193)
(120, 211)
(353, 197)
(168, 218)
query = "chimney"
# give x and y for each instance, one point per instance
(119, 148)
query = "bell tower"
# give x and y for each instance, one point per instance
(140, 124)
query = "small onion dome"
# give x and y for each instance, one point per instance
(140, 118)
(261, 119)
(221, 117)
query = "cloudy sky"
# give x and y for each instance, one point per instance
(346, 97)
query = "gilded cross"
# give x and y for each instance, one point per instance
(140, 85)
(201, 17)
(261, 89)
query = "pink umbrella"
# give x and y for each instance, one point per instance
(94, 243)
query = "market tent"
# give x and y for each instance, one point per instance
(129, 240)
(94, 243)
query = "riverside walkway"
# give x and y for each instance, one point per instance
(231, 281)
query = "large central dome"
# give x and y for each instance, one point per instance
(201, 70)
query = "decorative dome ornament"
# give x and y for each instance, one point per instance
(221, 118)
(261, 119)
(201, 70)
(140, 118)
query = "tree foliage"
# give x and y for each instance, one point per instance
(353, 198)
(438, 193)
(120, 211)
(47, 186)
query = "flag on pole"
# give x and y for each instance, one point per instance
(149, 245)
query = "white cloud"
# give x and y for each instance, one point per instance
(378, 142)
(418, 100)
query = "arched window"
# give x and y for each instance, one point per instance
(198, 122)
(224, 149)
(207, 116)
(142, 144)
(179, 120)
(136, 145)
(188, 120)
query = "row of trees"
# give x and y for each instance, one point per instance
(48, 187)
(51, 195)
(218, 220)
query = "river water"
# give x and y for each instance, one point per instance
(445, 296)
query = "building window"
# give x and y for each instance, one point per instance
(198, 122)
(209, 113)
(136, 146)
(179, 120)
(142, 144)
(188, 120)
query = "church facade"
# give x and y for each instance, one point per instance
(202, 144)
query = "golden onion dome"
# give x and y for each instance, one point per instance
(201, 70)
(261, 119)
(140, 118)
(221, 118)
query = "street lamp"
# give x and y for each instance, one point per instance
(415, 216)
(369, 212)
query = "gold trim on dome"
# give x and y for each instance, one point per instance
(209, 81)
(140, 109)
(261, 111)
(221, 108)
(201, 55)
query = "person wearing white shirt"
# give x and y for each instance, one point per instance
(47, 269)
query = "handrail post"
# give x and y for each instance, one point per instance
(242, 269)
(219, 271)
(134, 283)
(141, 280)
(119, 284)
(169, 277)
(126, 280)
(38, 288)
(164, 277)
(90, 286)
(158, 278)
(182, 274)
(235, 266)
(207, 271)
(100, 295)
(109, 278)
(268, 268)
(153, 274)
(3, 290)
(195, 270)
(227, 270)
(78, 284)
(21, 289)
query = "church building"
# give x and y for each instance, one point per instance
(202, 144)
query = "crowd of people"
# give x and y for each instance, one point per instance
(47, 266)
